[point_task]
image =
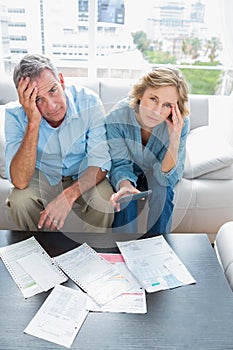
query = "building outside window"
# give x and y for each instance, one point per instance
(122, 38)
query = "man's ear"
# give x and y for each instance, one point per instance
(62, 80)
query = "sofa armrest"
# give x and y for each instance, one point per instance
(224, 250)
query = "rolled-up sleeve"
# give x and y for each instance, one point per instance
(15, 124)
(174, 175)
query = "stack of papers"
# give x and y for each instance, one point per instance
(131, 301)
(108, 282)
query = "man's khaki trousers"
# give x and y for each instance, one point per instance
(91, 212)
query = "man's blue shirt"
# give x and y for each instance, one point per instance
(79, 142)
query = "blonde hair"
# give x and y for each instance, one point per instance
(161, 76)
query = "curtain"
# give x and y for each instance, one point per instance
(226, 12)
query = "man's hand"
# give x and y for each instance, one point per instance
(27, 91)
(56, 212)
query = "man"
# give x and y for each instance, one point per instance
(57, 156)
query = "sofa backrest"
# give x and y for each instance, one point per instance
(8, 91)
(113, 90)
(110, 92)
(199, 110)
(89, 83)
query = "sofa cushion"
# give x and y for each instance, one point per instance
(220, 174)
(113, 90)
(206, 153)
(221, 114)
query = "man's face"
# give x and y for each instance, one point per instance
(51, 99)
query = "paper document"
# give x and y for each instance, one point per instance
(32, 269)
(44, 271)
(60, 317)
(132, 301)
(95, 275)
(155, 264)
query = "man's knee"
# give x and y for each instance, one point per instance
(98, 198)
(105, 190)
(20, 200)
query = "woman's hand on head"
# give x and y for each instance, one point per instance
(175, 124)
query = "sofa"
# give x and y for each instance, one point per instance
(204, 196)
(223, 246)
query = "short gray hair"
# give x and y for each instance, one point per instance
(31, 65)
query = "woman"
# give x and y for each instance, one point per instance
(147, 135)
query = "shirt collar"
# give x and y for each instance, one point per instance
(71, 111)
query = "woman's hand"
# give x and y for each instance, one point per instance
(174, 130)
(175, 125)
(126, 188)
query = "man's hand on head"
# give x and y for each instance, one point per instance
(27, 92)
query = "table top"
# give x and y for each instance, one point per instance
(198, 316)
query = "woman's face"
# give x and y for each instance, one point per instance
(156, 105)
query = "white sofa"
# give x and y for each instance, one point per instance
(224, 249)
(204, 196)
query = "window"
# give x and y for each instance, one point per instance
(129, 35)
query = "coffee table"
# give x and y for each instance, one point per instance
(196, 316)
